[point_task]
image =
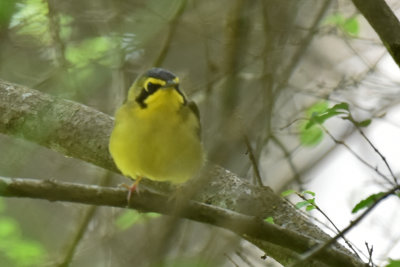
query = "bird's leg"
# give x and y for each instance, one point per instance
(132, 188)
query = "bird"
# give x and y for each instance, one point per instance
(156, 132)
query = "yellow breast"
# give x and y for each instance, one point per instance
(158, 142)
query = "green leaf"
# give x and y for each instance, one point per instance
(364, 123)
(309, 204)
(311, 201)
(309, 193)
(310, 133)
(131, 217)
(288, 192)
(321, 117)
(310, 207)
(302, 204)
(310, 136)
(368, 202)
(335, 19)
(393, 263)
(351, 26)
(341, 106)
(269, 220)
(318, 107)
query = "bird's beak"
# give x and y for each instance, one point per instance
(171, 84)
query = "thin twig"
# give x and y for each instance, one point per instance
(231, 260)
(244, 259)
(87, 218)
(173, 23)
(289, 159)
(379, 153)
(331, 222)
(370, 251)
(301, 51)
(356, 155)
(253, 161)
(318, 249)
(237, 31)
(70, 252)
(55, 33)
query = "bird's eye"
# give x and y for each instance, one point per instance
(152, 87)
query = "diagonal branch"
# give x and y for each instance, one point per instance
(78, 131)
(384, 22)
(67, 127)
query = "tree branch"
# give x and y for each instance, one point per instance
(81, 132)
(384, 22)
(148, 201)
(67, 127)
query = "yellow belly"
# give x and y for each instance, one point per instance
(157, 143)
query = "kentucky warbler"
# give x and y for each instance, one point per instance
(157, 131)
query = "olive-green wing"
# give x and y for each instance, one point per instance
(193, 107)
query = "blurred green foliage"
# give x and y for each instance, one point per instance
(310, 131)
(349, 26)
(312, 135)
(308, 203)
(60, 49)
(269, 220)
(15, 249)
(393, 263)
(131, 217)
(96, 49)
(31, 20)
(6, 11)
